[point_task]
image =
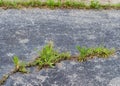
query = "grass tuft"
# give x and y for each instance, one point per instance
(51, 3)
(19, 65)
(49, 56)
(86, 53)
(95, 4)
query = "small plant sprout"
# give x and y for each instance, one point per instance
(49, 56)
(16, 62)
(86, 53)
(19, 65)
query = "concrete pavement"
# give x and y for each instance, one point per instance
(21, 31)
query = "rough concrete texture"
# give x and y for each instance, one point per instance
(97, 72)
(21, 31)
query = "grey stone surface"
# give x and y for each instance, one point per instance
(97, 72)
(23, 30)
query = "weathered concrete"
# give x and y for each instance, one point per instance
(23, 30)
(97, 72)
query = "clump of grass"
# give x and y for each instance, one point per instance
(68, 3)
(20, 66)
(8, 4)
(50, 3)
(59, 3)
(49, 56)
(33, 3)
(79, 5)
(95, 4)
(86, 53)
(74, 4)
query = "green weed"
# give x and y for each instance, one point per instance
(86, 53)
(50, 3)
(49, 56)
(95, 4)
(19, 65)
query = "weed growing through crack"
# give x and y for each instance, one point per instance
(86, 53)
(49, 56)
(20, 66)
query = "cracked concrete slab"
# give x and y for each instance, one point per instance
(21, 31)
(97, 72)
